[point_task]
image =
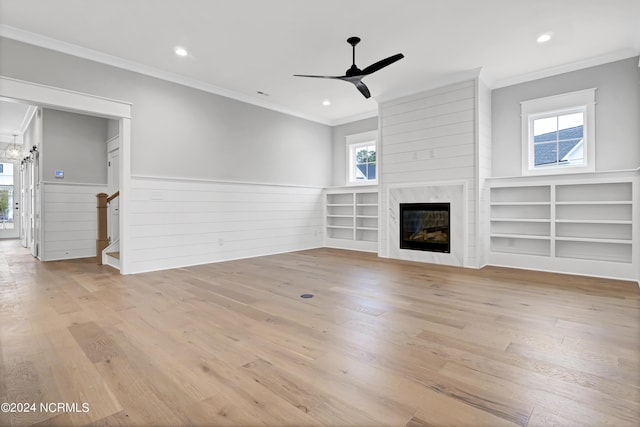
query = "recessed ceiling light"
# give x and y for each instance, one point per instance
(180, 51)
(543, 38)
(326, 102)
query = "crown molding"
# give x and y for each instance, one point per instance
(566, 68)
(442, 81)
(355, 118)
(125, 64)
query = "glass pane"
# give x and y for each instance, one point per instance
(545, 126)
(365, 162)
(571, 152)
(545, 153)
(570, 120)
(6, 196)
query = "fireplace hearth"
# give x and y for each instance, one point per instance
(425, 227)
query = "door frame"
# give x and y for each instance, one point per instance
(24, 206)
(113, 146)
(16, 196)
(83, 103)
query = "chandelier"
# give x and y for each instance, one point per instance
(13, 152)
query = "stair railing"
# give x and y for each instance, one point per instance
(102, 240)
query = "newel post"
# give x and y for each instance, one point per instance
(103, 239)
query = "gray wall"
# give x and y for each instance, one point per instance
(75, 144)
(113, 128)
(338, 135)
(617, 115)
(186, 133)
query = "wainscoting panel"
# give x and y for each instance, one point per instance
(70, 220)
(180, 222)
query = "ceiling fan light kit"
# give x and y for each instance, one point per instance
(354, 75)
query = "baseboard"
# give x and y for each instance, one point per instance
(622, 279)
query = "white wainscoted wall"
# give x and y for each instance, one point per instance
(179, 222)
(70, 220)
(431, 139)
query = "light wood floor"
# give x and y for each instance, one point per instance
(382, 343)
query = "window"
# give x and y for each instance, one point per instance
(361, 158)
(558, 134)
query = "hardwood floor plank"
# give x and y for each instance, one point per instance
(577, 403)
(24, 385)
(223, 410)
(119, 419)
(542, 417)
(390, 387)
(418, 422)
(75, 378)
(306, 397)
(602, 366)
(96, 344)
(134, 394)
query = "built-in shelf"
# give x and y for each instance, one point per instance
(520, 220)
(591, 202)
(352, 218)
(585, 224)
(593, 221)
(593, 240)
(520, 236)
(520, 203)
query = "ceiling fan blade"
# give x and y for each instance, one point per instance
(317, 77)
(381, 64)
(363, 89)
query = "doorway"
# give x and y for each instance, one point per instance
(9, 199)
(38, 94)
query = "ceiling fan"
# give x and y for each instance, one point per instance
(354, 74)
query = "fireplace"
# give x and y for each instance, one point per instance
(425, 227)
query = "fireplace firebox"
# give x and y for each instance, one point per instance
(425, 227)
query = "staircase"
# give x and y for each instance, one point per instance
(107, 250)
(111, 255)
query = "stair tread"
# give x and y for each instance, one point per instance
(115, 255)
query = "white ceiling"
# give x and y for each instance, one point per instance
(243, 46)
(13, 117)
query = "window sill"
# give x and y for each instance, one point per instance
(559, 170)
(362, 184)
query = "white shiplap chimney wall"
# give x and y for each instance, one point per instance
(431, 148)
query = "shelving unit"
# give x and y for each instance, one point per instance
(521, 220)
(594, 221)
(352, 219)
(584, 225)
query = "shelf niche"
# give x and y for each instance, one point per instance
(352, 219)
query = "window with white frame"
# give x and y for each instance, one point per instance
(362, 158)
(558, 134)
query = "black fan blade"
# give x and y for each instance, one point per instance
(381, 64)
(362, 88)
(317, 77)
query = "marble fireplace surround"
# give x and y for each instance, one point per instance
(444, 192)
